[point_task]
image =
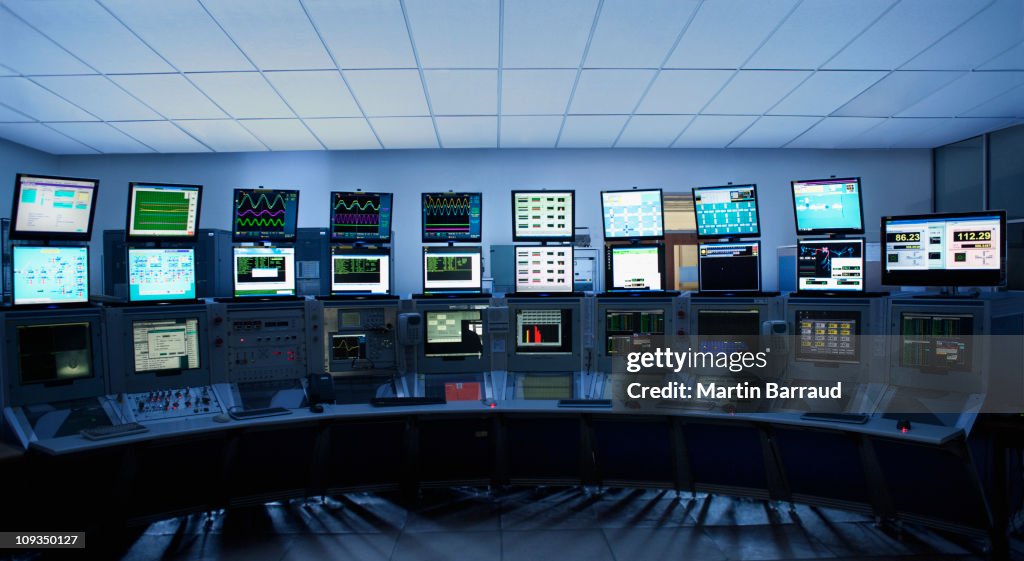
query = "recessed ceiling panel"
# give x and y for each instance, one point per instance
(315, 93)
(468, 132)
(244, 95)
(713, 131)
(344, 134)
(752, 92)
(609, 91)
(463, 92)
(652, 131)
(545, 34)
(725, 33)
(405, 132)
(536, 92)
(41, 137)
(683, 91)
(31, 99)
(455, 33)
(99, 96)
(282, 134)
(364, 33)
(171, 95)
(223, 135)
(388, 93)
(102, 137)
(162, 136)
(637, 34)
(591, 131)
(773, 132)
(275, 35)
(539, 131)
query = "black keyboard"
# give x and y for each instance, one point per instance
(239, 415)
(851, 418)
(585, 403)
(113, 431)
(406, 401)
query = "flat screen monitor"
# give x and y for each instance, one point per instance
(955, 249)
(163, 210)
(358, 216)
(830, 265)
(828, 206)
(729, 267)
(53, 208)
(543, 216)
(936, 343)
(729, 211)
(452, 217)
(826, 336)
(452, 270)
(348, 346)
(544, 269)
(161, 274)
(728, 331)
(634, 268)
(361, 270)
(50, 275)
(265, 215)
(454, 334)
(543, 331)
(54, 353)
(635, 214)
(165, 345)
(633, 330)
(264, 271)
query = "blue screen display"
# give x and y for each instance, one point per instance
(829, 205)
(632, 214)
(161, 274)
(726, 212)
(50, 275)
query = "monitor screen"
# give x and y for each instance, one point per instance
(264, 271)
(452, 217)
(633, 214)
(728, 331)
(543, 215)
(936, 342)
(729, 267)
(157, 210)
(50, 275)
(632, 330)
(828, 336)
(830, 266)
(956, 249)
(544, 268)
(54, 353)
(161, 274)
(547, 331)
(358, 216)
(452, 270)
(454, 333)
(162, 345)
(48, 208)
(634, 268)
(269, 215)
(360, 270)
(729, 211)
(348, 346)
(828, 206)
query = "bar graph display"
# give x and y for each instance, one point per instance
(53, 208)
(358, 216)
(543, 331)
(164, 211)
(265, 215)
(452, 217)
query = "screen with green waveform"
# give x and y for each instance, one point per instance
(163, 210)
(265, 215)
(358, 216)
(452, 217)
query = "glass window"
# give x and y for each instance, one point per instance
(679, 213)
(1006, 171)
(958, 175)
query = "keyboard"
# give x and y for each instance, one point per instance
(241, 414)
(406, 401)
(585, 403)
(112, 431)
(850, 418)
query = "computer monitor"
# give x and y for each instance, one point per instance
(727, 331)
(452, 217)
(830, 265)
(265, 215)
(453, 334)
(54, 353)
(828, 336)
(936, 343)
(544, 269)
(729, 267)
(359, 216)
(729, 211)
(955, 249)
(361, 270)
(166, 345)
(264, 271)
(161, 274)
(53, 208)
(634, 268)
(452, 270)
(543, 331)
(543, 216)
(45, 275)
(828, 206)
(163, 211)
(632, 330)
(635, 214)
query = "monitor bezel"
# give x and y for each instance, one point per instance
(470, 249)
(16, 234)
(423, 231)
(75, 304)
(128, 217)
(604, 225)
(572, 266)
(863, 265)
(348, 250)
(700, 272)
(234, 275)
(572, 214)
(757, 212)
(234, 217)
(373, 239)
(831, 231)
(195, 281)
(610, 267)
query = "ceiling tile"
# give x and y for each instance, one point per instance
(826, 91)
(894, 133)
(683, 91)
(8, 115)
(455, 33)
(315, 93)
(986, 35)
(26, 97)
(364, 33)
(1011, 59)
(162, 136)
(544, 34)
(171, 95)
(713, 131)
(752, 92)
(773, 132)
(41, 137)
(705, 45)
(388, 92)
(538, 131)
(99, 96)
(344, 134)
(896, 92)
(223, 135)
(244, 95)
(964, 94)
(463, 92)
(1009, 104)
(29, 52)
(102, 137)
(637, 33)
(89, 31)
(275, 35)
(652, 131)
(536, 92)
(405, 132)
(834, 131)
(282, 134)
(591, 131)
(609, 91)
(468, 132)
(4, 71)
(903, 32)
(955, 130)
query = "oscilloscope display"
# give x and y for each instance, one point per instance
(451, 217)
(265, 215)
(358, 216)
